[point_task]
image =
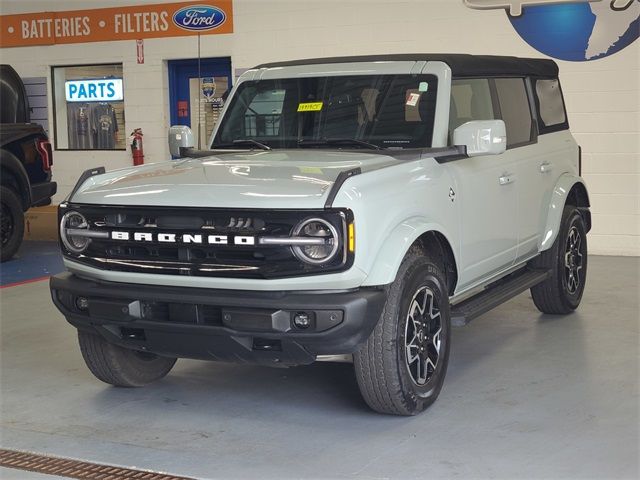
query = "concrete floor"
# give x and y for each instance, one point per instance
(526, 396)
(34, 261)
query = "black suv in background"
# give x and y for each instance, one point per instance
(25, 162)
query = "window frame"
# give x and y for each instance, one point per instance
(497, 111)
(533, 133)
(495, 105)
(542, 128)
(53, 106)
(428, 135)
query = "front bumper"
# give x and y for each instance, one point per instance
(227, 325)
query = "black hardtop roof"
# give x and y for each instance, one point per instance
(462, 65)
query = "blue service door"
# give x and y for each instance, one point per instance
(196, 101)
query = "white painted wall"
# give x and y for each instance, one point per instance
(603, 96)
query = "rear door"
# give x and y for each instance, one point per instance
(486, 187)
(526, 159)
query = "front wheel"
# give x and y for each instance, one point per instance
(120, 366)
(567, 262)
(401, 368)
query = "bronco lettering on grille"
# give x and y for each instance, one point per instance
(194, 238)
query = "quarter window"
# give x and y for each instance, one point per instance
(515, 110)
(551, 105)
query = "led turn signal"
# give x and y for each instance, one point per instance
(352, 238)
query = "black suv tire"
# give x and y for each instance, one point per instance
(567, 260)
(120, 366)
(391, 369)
(12, 223)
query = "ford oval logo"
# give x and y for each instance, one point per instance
(199, 17)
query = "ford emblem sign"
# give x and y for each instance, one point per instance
(199, 17)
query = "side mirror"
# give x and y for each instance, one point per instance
(482, 137)
(180, 136)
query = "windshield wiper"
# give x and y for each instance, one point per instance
(243, 141)
(337, 141)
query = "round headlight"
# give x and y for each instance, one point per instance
(316, 228)
(74, 221)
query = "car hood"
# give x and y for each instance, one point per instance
(264, 179)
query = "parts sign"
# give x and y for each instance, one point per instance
(101, 90)
(123, 23)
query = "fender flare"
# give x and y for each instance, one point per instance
(390, 255)
(9, 164)
(561, 191)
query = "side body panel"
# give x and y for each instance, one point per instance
(13, 173)
(556, 204)
(539, 167)
(392, 208)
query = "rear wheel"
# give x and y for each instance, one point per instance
(11, 223)
(401, 367)
(120, 366)
(562, 292)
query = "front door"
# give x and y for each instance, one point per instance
(488, 198)
(196, 94)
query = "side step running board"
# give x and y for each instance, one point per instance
(495, 294)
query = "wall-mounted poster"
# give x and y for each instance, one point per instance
(573, 30)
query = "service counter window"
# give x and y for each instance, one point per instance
(88, 107)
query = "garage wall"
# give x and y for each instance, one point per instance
(603, 96)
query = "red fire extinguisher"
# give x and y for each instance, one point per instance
(136, 146)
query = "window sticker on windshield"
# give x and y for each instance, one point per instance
(412, 99)
(310, 107)
(423, 87)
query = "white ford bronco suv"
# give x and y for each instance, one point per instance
(355, 206)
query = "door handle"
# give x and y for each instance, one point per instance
(545, 167)
(506, 179)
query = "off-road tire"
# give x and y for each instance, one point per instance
(381, 364)
(120, 366)
(12, 218)
(554, 295)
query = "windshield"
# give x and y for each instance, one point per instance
(363, 111)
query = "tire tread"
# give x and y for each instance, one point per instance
(10, 198)
(116, 366)
(375, 368)
(548, 296)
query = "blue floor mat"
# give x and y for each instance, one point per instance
(34, 260)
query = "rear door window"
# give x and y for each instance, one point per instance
(515, 110)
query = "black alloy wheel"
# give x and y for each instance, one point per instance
(573, 260)
(422, 336)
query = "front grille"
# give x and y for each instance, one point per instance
(194, 256)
